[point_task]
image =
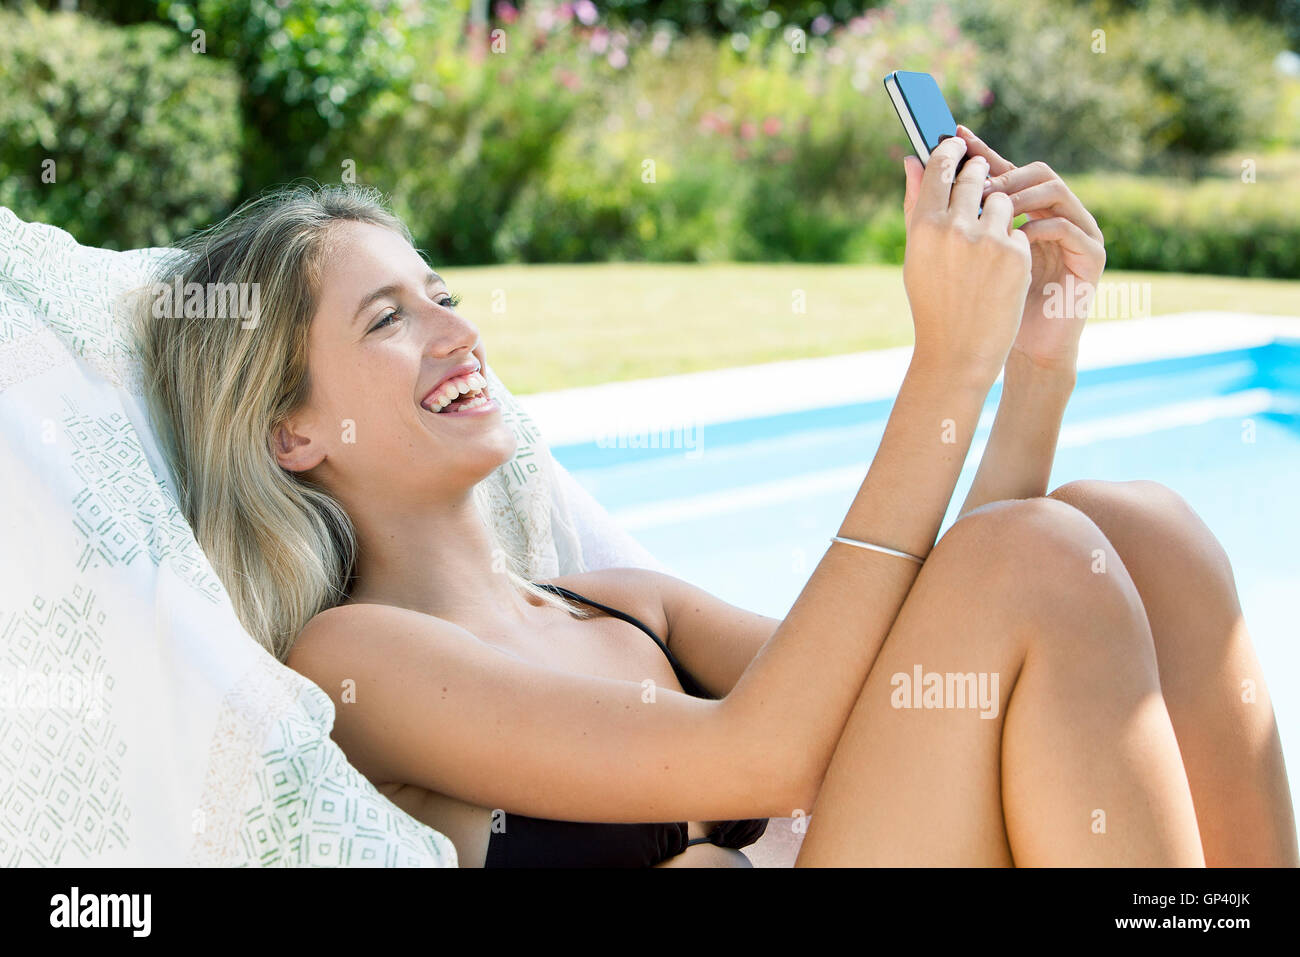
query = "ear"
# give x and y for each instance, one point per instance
(294, 450)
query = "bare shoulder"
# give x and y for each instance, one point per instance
(336, 637)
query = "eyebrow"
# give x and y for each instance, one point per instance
(390, 289)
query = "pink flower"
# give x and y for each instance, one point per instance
(586, 12)
(821, 24)
(564, 13)
(506, 13)
(748, 130)
(771, 126)
(568, 78)
(713, 123)
(599, 40)
(617, 59)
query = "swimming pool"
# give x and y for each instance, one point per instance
(744, 507)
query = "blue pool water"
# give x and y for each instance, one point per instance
(746, 513)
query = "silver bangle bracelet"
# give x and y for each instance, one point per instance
(877, 548)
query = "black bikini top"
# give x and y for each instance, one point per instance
(541, 842)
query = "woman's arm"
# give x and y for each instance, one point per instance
(1017, 461)
(1069, 255)
(430, 704)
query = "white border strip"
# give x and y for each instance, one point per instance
(699, 398)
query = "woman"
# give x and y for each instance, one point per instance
(327, 458)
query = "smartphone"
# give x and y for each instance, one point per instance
(923, 111)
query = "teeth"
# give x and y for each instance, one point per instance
(454, 389)
(473, 403)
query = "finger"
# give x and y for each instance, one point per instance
(1059, 201)
(966, 192)
(1021, 177)
(913, 170)
(1081, 253)
(997, 213)
(977, 147)
(1054, 198)
(936, 184)
(1058, 229)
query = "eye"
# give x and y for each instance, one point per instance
(449, 301)
(385, 319)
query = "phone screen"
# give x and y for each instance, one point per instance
(922, 109)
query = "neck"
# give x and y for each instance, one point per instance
(435, 558)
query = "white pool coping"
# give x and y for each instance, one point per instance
(662, 403)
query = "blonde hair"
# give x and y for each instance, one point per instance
(283, 547)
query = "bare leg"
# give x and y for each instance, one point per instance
(1210, 677)
(1079, 766)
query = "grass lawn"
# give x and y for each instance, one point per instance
(560, 326)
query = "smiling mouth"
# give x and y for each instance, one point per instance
(462, 394)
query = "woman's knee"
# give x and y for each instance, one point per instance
(1032, 541)
(1147, 519)
(1050, 564)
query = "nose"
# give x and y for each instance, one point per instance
(449, 331)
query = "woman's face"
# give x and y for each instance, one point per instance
(374, 355)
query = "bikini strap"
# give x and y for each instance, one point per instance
(688, 683)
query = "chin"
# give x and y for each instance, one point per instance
(508, 443)
(495, 449)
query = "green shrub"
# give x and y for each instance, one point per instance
(144, 134)
(1083, 86)
(460, 141)
(1050, 96)
(1209, 82)
(309, 70)
(764, 153)
(1219, 226)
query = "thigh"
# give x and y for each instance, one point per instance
(920, 784)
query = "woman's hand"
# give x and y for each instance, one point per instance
(966, 274)
(1065, 242)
